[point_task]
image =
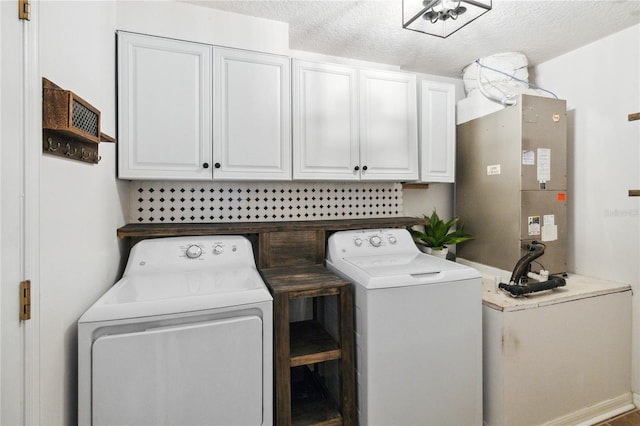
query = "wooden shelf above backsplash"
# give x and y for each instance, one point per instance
(155, 230)
(291, 243)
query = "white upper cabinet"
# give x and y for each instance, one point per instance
(351, 124)
(252, 116)
(164, 108)
(388, 126)
(437, 132)
(325, 122)
(189, 111)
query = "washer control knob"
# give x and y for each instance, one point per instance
(357, 241)
(218, 249)
(375, 241)
(193, 251)
(392, 239)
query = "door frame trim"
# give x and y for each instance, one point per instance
(30, 227)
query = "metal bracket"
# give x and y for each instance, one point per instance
(24, 10)
(25, 300)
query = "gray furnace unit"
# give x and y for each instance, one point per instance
(511, 183)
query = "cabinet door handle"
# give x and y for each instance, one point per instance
(364, 168)
(217, 165)
(356, 168)
(205, 165)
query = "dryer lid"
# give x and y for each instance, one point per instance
(142, 295)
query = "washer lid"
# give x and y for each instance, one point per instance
(142, 295)
(400, 270)
(390, 265)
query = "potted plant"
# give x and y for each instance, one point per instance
(435, 236)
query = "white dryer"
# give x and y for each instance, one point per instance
(418, 330)
(184, 338)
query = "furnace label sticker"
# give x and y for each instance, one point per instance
(549, 228)
(534, 225)
(544, 165)
(528, 158)
(549, 233)
(493, 170)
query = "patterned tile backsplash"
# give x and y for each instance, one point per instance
(194, 202)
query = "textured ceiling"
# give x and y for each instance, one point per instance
(371, 30)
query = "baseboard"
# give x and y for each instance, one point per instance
(598, 412)
(636, 400)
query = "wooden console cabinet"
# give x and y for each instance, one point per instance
(308, 343)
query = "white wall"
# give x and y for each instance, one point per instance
(81, 205)
(417, 202)
(601, 83)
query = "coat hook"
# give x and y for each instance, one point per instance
(84, 155)
(69, 152)
(51, 148)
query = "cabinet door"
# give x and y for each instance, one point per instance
(388, 126)
(164, 108)
(325, 122)
(437, 132)
(252, 117)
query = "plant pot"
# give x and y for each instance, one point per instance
(439, 253)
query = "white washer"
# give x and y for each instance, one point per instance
(418, 330)
(184, 338)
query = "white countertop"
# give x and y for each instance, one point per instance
(578, 287)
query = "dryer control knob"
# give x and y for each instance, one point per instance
(357, 242)
(392, 239)
(375, 241)
(193, 251)
(218, 249)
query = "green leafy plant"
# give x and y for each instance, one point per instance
(435, 233)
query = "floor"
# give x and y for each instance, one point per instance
(632, 418)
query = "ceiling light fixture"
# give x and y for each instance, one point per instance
(441, 18)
